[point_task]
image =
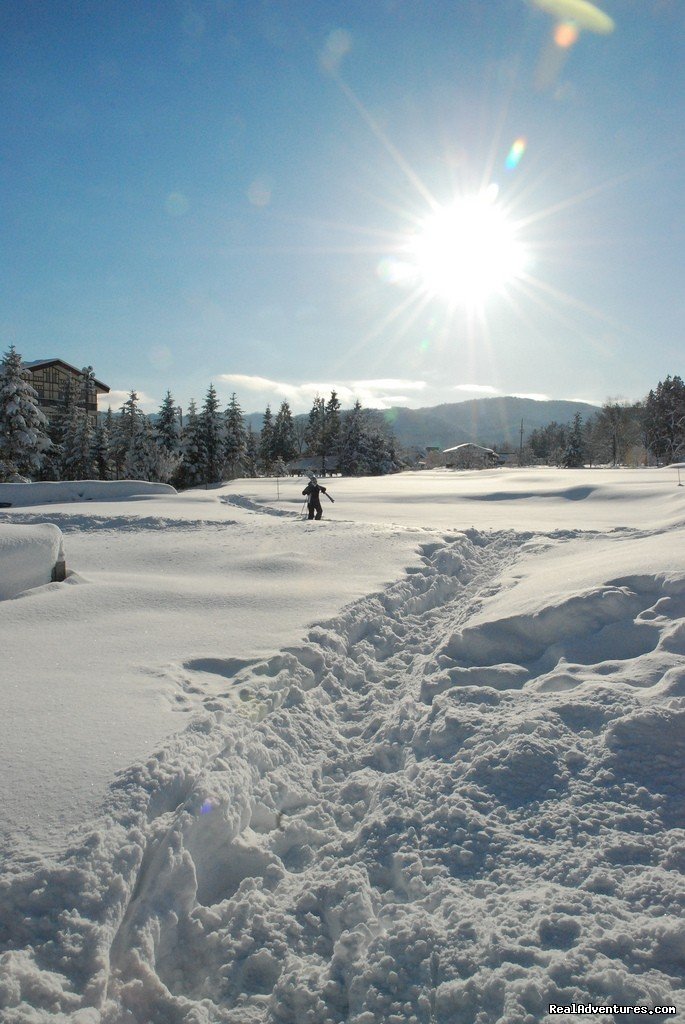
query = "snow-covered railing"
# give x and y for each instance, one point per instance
(30, 556)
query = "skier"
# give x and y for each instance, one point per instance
(313, 490)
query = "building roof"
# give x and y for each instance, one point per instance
(468, 444)
(35, 364)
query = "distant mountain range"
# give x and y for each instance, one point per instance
(494, 422)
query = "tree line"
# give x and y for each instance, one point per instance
(205, 446)
(210, 444)
(619, 433)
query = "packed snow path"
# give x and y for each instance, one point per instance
(426, 812)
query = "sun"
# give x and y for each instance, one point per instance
(468, 251)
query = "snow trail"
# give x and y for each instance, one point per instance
(424, 813)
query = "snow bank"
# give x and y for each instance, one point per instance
(50, 493)
(28, 555)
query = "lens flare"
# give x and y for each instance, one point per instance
(566, 34)
(581, 12)
(515, 154)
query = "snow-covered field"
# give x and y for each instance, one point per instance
(422, 761)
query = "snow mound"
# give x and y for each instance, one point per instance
(28, 555)
(50, 493)
(398, 820)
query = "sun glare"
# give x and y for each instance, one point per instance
(467, 251)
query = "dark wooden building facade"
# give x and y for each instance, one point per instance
(50, 377)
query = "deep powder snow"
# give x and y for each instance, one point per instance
(456, 800)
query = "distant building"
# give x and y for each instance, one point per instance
(471, 456)
(50, 378)
(310, 465)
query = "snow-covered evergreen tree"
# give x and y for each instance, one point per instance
(78, 456)
(235, 438)
(135, 450)
(192, 448)
(266, 442)
(167, 426)
(124, 429)
(251, 453)
(664, 420)
(23, 427)
(88, 389)
(102, 460)
(316, 431)
(75, 436)
(549, 443)
(323, 428)
(284, 439)
(332, 424)
(574, 455)
(211, 428)
(353, 455)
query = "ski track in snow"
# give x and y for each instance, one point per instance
(409, 818)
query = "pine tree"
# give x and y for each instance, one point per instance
(574, 455)
(100, 453)
(23, 427)
(125, 428)
(145, 458)
(353, 454)
(78, 459)
(251, 453)
(116, 445)
(192, 448)
(285, 441)
(88, 389)
(664, 420)
(138, 459)
(212, 440)
(67, 430)
(167, 427)
(549, 443)
(316, 431)
(332, 424)
(323, 428)
(134, 449)
(266, 442)
(235, 438)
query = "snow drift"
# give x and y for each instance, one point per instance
(49, 492)
(28, 555)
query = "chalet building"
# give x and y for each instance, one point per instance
(50, 378)
(471, 456)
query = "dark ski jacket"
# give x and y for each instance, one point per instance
(313, 491)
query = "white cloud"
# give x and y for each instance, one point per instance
(376, 393)
(255, 392)
(117, 398)
(588, 401)
(477, 389)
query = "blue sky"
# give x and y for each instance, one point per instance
(232, 192)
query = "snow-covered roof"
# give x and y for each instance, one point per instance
(35, 364)
(470, 445)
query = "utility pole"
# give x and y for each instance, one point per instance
(521, 446)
